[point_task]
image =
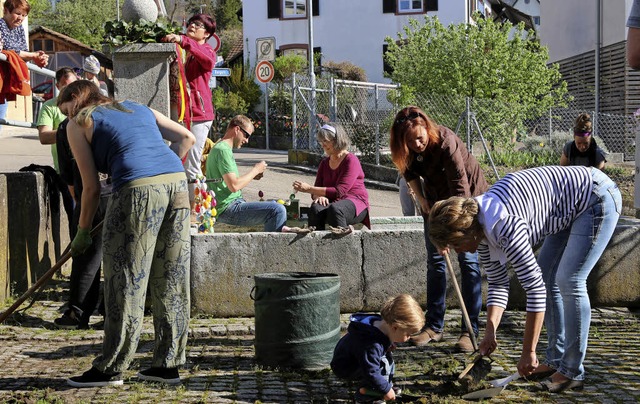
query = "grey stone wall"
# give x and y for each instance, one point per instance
(38, 232)
(4, 240)
(373, 265)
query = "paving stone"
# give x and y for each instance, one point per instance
(36, 359)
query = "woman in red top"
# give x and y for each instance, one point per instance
(339, 196)
(201, 59)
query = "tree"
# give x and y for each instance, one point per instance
(485, 61)
(226, 14)
(39, 8)
(80, 19)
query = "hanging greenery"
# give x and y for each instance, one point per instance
(118, 33)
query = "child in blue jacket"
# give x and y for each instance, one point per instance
(364, 353)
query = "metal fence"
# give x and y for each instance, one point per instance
(367, 111)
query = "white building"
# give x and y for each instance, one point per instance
(579, 32)
(343, 30)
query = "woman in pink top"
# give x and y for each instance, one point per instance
(339, 196)
(201, 59)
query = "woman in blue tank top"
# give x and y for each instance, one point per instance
(146, 227)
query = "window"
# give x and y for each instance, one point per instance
(409, 6)
(43, 44)
(294, 51)
(290, 9)
(294, 8)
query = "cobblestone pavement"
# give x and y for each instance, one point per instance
(35, 360)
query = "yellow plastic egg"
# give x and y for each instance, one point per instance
(280, 201)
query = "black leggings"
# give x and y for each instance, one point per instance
(337, 214)
(84, 287)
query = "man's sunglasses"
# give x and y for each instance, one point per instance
(247, 135)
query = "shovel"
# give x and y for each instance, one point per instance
(465, 315)
(499, 385)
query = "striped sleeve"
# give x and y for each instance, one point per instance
(497, 278)
(515, 242)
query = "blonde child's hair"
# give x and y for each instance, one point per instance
(404, 312)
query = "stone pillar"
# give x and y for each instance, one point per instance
(38, 231)
(636, 192)
(141, 74)
(4, 240)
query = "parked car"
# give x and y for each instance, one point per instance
(43, 90)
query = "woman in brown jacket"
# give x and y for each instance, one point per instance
(436, 165)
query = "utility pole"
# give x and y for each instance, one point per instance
(312, 113)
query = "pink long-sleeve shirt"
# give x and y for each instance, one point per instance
(345, 182)
(201, 61)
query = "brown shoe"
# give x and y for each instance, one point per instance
(426, 336)
(464, 343)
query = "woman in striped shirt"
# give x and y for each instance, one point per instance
(575, 210)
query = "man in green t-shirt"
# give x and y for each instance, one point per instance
(232, 208)
(50, 115)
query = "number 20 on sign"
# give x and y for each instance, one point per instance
(264, 71)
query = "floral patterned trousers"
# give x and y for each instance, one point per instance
(146, 246)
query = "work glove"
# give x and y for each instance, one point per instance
(81, 242)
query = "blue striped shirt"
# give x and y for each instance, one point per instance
(517, 213)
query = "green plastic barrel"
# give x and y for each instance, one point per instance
(297, 319)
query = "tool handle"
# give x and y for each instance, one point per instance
(465, 314)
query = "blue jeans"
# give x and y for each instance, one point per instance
(471, 287)
(566, 259)
(3, 111)
(242, 213)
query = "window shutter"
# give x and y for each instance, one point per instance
(386, 67)
(273, 8)
(388, 6)
(316, 50)
(316, 7)
(431, 5)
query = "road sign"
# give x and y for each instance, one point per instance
(215, 43)
(221, 72)
(266, 48)
(264, 71)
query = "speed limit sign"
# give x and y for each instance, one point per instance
(264, 71)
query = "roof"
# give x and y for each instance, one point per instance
(235, 52)
(104, 59)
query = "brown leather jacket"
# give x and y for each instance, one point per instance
(448, 169)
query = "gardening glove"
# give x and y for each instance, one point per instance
(81, 242)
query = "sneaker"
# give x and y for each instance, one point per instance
(69, 321)
(464, 343)
(426, 336)
(341, 231)
(365, 396)
(95, 378)
(298, 230)
(160, 375)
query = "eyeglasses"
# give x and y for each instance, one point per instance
(246, 134)
(411, 116)
(197, 24)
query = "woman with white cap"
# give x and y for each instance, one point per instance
(91, 68)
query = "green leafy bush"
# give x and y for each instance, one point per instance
(118, 33)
